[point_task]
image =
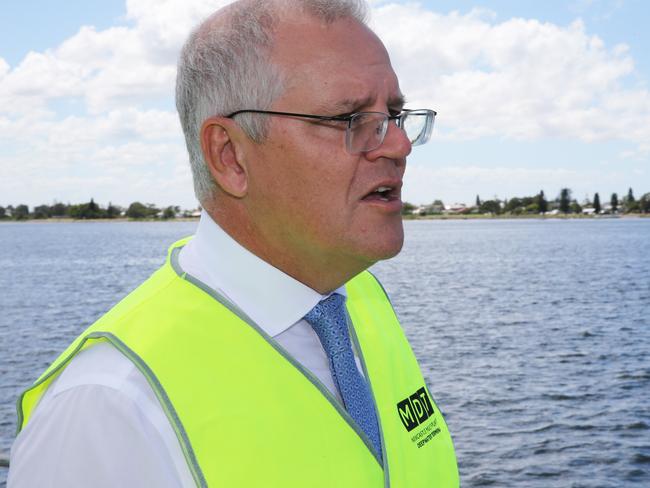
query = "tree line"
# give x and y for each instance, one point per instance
(92, 210)
(564, 203)
(538, 204)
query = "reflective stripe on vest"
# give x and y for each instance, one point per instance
(247, 414)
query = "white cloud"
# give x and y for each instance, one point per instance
(115, 141)
(4, 68)
(115, 153)
(462, 182)
(519, 79)
(113, 68)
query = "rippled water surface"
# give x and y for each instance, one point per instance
(534, 335)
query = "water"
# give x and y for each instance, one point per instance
(533, 335)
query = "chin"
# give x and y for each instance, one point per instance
(392, 251)
(385, 248)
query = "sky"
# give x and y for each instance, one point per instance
(530, 96)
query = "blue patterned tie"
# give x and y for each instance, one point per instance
(328, 320)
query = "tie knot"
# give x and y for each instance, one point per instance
(328, 320)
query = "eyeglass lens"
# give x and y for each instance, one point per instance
(367, 130)
(418, 125)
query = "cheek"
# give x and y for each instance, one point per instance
(313, 174)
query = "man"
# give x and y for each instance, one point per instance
(261, 353)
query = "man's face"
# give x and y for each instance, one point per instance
(310, 196)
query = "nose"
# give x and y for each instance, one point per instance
(396, 145)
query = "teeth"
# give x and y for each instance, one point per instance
(383, 188)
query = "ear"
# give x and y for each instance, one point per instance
(224, 156)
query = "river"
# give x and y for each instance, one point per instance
(534, 335)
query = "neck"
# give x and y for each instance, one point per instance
(321, 271)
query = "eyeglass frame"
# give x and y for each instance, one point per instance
(340, 118)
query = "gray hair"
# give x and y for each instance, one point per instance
(225, 66)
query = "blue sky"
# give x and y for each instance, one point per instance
(36, 25)
(530, 95)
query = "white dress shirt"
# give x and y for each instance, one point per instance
(100, 424)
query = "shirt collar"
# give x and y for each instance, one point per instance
(273, 299)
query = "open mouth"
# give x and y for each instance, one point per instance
(383, 194)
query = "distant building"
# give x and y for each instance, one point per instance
(457, 208)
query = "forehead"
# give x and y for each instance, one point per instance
(328, 63)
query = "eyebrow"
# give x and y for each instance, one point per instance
(357, 104)
(397, 101)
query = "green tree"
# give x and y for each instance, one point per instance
(75, 211)
(92, 210)
(112, 211)
(614, 202)
(490, 207)
(59, 210)
(644, 203)
(478, 202)
(137, 211)
(169, 213)
(532, 208)
(541, 202)
(88, 210)
(152, 210)
(575, 207)
(565, 200)
(525, 201)
(436, 208)
(21, 212)
(42, 212)
(597, 206)
(513, 205)
(631, 205)
(3, 213)
(407, 208)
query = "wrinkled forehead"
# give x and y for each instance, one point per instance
(327, 62)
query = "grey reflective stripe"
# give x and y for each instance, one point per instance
(384, 290)
(167, 405)
(356, 342)
(159, 391)
(272, 342)
(210, 291)
(355, 339)
(19, 403)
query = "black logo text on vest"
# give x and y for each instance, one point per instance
(415, 409)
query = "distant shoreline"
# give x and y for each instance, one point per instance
(404, 217)
(67, 220)
(523, 217)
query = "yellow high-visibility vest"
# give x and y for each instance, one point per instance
(246, 414)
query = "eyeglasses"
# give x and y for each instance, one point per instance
(365, 131)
